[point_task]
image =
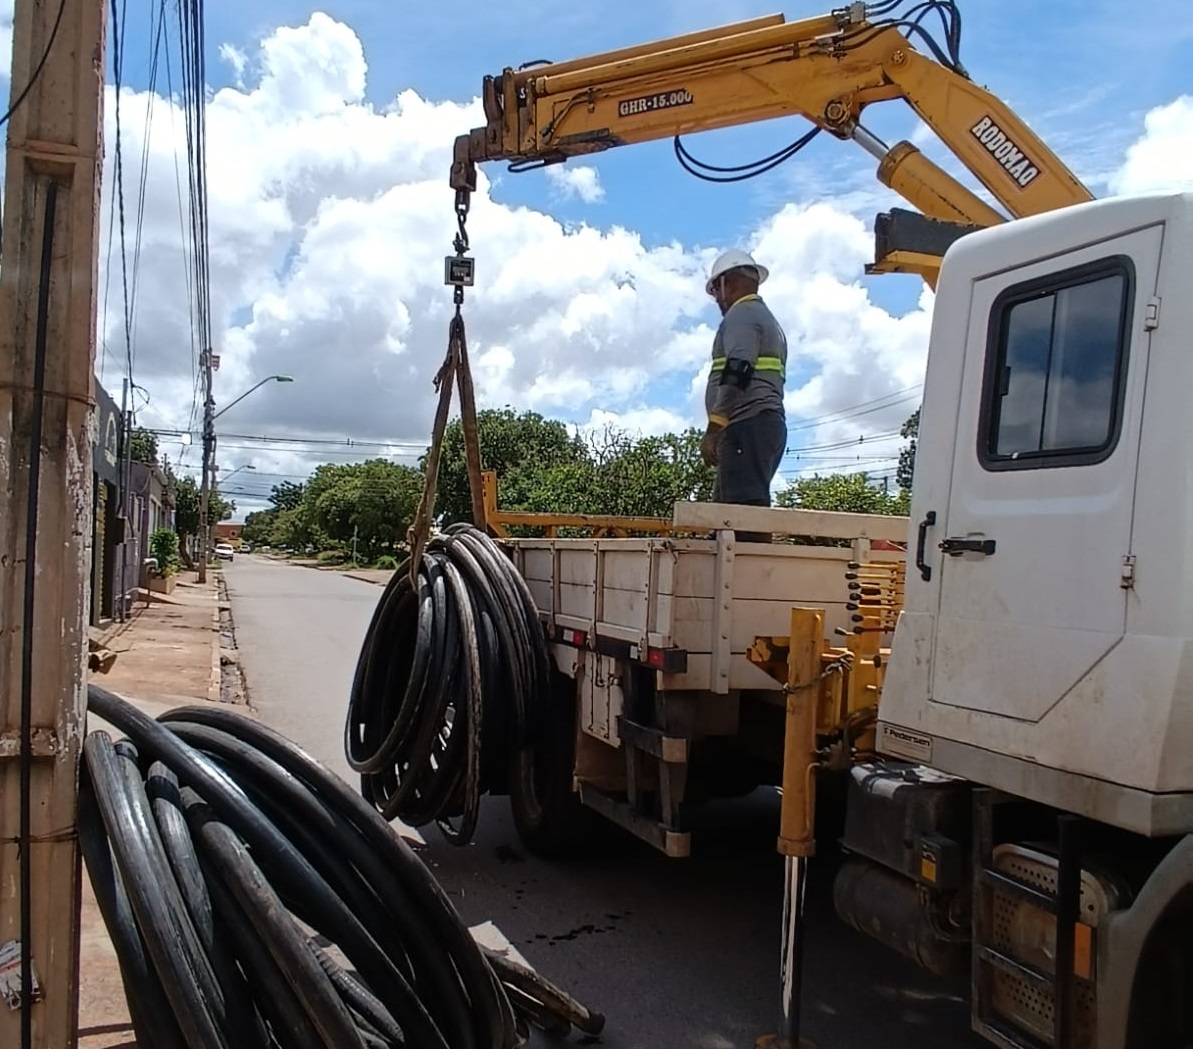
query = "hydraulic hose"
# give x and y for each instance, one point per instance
(255, 900)
(450, 687)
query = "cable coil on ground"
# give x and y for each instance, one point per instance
(255, 900)
(451, 685)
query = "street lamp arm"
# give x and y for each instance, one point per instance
(268, 378)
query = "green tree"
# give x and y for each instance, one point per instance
(219, 508)
(258, 525)
(518, 446)
(905, 473)
(163, 546)
(646, 476)
(373, 501)
(844, 493)
(287, 495)
(142, 446)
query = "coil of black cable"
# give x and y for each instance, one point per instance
(450, 687)
(255, 899)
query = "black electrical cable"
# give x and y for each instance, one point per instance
(450, 686)
(911, 20)
(237, 876)
(38, 68)
(739, 172)
(25, 771)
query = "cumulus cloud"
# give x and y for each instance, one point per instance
(1161, 160)
(329, 220)
(581, 182)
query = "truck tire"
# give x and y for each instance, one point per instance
(549, 818)
(1161, 1015)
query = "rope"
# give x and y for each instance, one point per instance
(455, 367)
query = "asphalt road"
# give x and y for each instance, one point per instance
(679, 954)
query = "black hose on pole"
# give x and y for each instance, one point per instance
(254, 899)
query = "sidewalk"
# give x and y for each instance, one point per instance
(167, 655)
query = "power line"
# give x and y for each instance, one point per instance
(853, 411)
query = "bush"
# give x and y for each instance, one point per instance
(163, 547)
(331, 557)
(386, 562)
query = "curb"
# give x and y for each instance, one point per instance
(216, 681)
(365, 579)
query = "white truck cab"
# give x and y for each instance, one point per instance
(1045, 644)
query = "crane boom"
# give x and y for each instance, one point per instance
(826, 69)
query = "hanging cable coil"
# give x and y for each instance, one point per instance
(450, 686)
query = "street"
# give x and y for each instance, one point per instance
(676, 953)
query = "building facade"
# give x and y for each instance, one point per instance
(151, 506)
(107, 533)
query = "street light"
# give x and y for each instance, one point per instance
(247, 466)
(268, 378)
(209, 418)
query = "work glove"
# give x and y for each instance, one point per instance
(708, 445)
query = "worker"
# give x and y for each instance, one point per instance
(747, 426)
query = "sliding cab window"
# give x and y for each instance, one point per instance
(1056, 367)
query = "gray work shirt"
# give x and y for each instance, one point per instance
(748, 332)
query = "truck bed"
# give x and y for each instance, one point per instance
(698, 603)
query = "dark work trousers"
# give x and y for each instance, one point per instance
(749, 453)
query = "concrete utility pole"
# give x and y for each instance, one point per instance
(47, 354)
(208, 468)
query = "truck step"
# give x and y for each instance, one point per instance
(670, 842)
(671, 749)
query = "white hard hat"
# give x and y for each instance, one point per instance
(734, 259)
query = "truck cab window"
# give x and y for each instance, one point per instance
(1055, 369)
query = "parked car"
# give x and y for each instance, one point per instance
(224, 551)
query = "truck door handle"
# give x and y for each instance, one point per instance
(925, 568)
(955, 547)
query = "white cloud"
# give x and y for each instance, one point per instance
(6, 15)
(1161, 159)
(329, 220)
(236, 59)
(580, 182)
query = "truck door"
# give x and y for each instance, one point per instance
(1030, 548)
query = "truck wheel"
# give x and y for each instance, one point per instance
(547, 813)
(1162, 1001)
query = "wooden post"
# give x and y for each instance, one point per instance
(47, 353)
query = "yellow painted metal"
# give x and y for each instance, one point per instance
(677, 57)
(499, 522)
(825, 69)
(848, 677)
(954, 107)
(931, 189)
(926, 266)
(797, 816)
(624, 53)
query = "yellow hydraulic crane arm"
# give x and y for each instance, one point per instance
(825, 69)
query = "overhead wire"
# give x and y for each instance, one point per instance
(118, 29)
(155, 32)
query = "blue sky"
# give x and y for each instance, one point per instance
(331, 213)
(1082, 72)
